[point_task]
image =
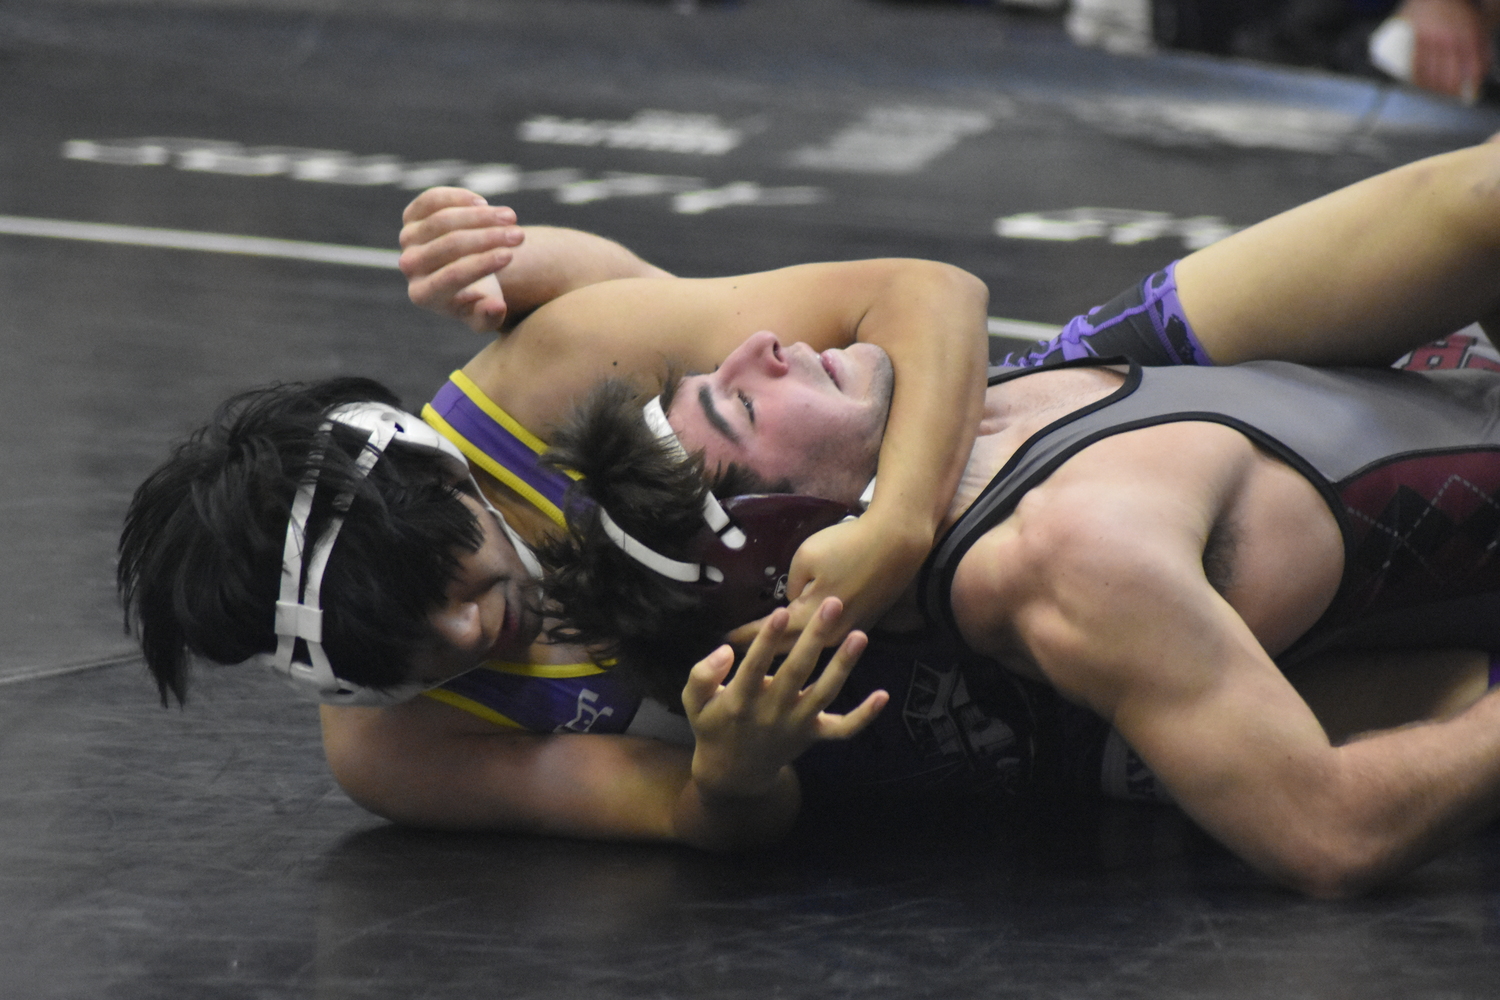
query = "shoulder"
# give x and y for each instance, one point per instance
(1090, 564)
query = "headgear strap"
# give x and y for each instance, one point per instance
(731, 535)
(299, 609)
(713, 513)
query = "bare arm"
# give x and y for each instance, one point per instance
(929, 317)
(933, 328)
(455, 246)
(428, 764)
(1121, 618)
(1360, 276)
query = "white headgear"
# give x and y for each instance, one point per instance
(299, 610)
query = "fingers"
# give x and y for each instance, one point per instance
(749, 678)
(449, 281)
(455, 234)
(841, 727)
(1451, 49)
(794, 671)
(704, 679)
(805, 611)
(1440, 65)
(820, 694)
(433, 199)
(455, 248)
(457, 218)
(745, 634)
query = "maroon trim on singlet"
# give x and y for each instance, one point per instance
(1421, 528)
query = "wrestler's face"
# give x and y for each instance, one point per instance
(788, 412)
(487, 615)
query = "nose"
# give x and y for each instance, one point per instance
(460, 626)
(760, 353)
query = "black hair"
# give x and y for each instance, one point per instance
(603, 598)
(201, 551)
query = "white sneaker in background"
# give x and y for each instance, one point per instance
(1119, 26)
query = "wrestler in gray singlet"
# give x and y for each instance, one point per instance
(1409, 464)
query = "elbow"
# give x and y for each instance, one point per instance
(966, 288)
(361, 771)
(1328, 880)
(357, 779)
(942, 283)
(1335, 866)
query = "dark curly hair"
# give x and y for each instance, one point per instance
(605, 599)
(201, 551)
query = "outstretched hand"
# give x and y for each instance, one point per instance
(453, 247)
(866, 563)
(752, 725)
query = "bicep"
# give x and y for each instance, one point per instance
(427, 764)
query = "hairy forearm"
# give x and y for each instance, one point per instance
(1392, 800)
(554, 261)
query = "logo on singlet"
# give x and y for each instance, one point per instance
(588, 713)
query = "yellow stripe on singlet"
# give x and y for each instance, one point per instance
(474, 454)
(472, 707)
(555, 671)
(550, 671)
(499, 416)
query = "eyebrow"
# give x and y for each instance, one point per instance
(713, 416)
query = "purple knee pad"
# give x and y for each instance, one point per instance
(1146, 323)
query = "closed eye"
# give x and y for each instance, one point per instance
(748, 405)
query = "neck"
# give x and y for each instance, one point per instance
(1015, 410)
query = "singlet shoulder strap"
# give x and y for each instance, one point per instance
(495, 442)
(1034, 461)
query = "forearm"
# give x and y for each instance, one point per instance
(931, 322)
(427, 765)
(1402, 796)
(554, 261)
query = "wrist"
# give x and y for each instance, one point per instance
(720, 820)
(739, 786)
(904, 532)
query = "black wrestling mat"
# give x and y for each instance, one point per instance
(207, 853)
(197, 197)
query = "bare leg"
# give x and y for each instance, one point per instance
(1359, 276)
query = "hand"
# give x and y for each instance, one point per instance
(1451, 48)
(453, 247)
(751, 727)
(866, 563)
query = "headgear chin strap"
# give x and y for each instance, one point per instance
(741, 558)
(299, 610)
